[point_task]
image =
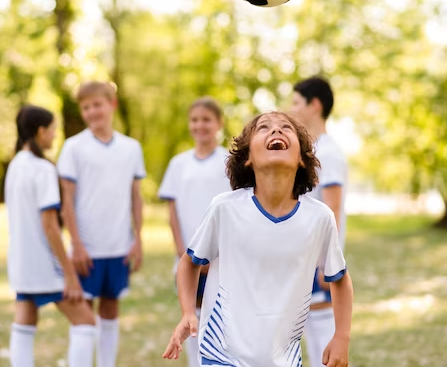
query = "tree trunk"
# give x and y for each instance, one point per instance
(64, 16)
(115, 17)
(442, 222)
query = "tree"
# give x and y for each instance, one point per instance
(64, 15)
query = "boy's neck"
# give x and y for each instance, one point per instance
(203, 151)
(103, 134)
(274, 190)
(317, 128)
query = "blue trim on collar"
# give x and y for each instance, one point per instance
(207, 157)
(271, 217)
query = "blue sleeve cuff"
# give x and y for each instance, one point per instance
(195, 259)
(335, 277)
(68, 178)
(139, 177)
(330, 184)
(50, 207)
(166, 197)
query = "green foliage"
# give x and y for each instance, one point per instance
(389, 76)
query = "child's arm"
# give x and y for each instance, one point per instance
(337, 351)
(175, 228)
(187, 281)
(73, 290)
(135, 256)
(81, 260)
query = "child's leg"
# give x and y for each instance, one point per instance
(108, 332)
(22, 334)
(82, 333)
(114, 286)
(319, 330)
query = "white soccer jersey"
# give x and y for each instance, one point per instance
(193, 183)
(334, 171)
(104, 174)
(260, 279)
(31, 187)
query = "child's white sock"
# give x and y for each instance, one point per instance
(107, 344)
(22, 345)
(82, 346)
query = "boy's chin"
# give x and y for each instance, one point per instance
(281, 163)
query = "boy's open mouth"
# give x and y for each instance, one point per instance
(277, 144)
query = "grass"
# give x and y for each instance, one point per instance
(398, 265)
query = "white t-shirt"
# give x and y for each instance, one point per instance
(193, 183)
(31, 187)
(260, 279)
(104, 174)
(334, 171)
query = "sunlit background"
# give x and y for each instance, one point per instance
(387, 63)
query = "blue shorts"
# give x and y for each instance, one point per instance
(41, 299)
(201, 288)
(109, 278)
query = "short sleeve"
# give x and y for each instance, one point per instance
(66, 165)
(333, 171)
(47, 189)
(203, 247)
(331, 260)
(140, 170)
(168, 187)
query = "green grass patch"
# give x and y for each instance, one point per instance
(398, 265)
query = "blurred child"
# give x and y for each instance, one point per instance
(38, 267)
(100, 171)
(312, 102)
(192, 180)
(263, 242)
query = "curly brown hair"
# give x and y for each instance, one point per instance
(242, 176)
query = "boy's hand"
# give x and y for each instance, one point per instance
(336, 353)
(135, 256)
(187, 327)
(320, 278)
(72, 290)
(81, 261)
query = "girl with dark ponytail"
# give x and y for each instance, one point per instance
(39, 270)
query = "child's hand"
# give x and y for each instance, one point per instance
(187, 327)
(72, 290)
(336, 353)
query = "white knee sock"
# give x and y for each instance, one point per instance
(107, 345)
(82, 346)
(22, 345)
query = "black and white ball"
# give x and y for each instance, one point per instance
(267, 3)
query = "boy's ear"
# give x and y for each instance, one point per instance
(115, 103)
(301, 163)
(247, 163)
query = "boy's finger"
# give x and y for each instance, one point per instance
(325, 359)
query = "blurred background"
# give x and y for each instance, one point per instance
(387, 63)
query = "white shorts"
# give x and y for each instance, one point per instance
(318, 332)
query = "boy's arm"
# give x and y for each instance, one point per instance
(187, 281)
(81, 260)
(175, 228)
(332, 197)
(135, 256)
(337, 352)
(73, 290)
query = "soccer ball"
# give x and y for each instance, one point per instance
(267, 3)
